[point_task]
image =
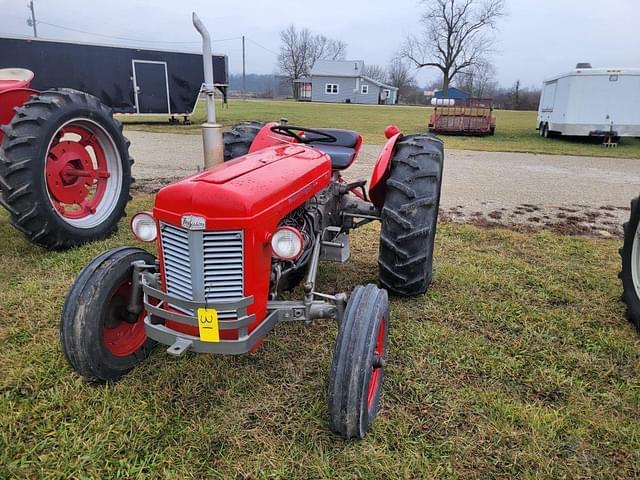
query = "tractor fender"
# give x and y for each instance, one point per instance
(10, 100)
(381, 169)
(266, 138)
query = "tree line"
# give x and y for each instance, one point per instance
(456, 38)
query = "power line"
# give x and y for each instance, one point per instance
(132, 39)
(262, 46)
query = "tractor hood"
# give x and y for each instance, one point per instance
(272, 181)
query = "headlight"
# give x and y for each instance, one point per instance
(144, 227)
(287, 243)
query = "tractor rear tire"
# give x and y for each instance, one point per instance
(65, 169)
(630, 274)
(97, 341)
(357, 372)
(410, 215)
(238, 140)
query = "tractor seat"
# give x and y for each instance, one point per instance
(342, 151)
(344, 138)
(341, 157)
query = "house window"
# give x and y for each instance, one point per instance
(331, 88)
(387, 93)
(364, 89)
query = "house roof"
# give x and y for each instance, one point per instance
(344, 68)
(338, 68)
(380, 84)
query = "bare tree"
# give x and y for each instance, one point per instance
(327, 49)
(479, 80)
(455, 36)
(295, 51)
(301, 49)
(399, 76)
(376, 72)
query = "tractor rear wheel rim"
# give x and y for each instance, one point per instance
(635, 260)
(83, 173)
(376, 369)
(120, 337)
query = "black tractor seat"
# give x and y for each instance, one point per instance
(344, 138)
(341, 157)
(342, 151)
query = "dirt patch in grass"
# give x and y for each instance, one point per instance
(518, 363)
(563, 220)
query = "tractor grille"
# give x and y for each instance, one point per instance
(204, 265)
(177, 268)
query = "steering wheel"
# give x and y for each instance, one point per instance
(293, 132)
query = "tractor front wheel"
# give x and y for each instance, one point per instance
(65, 169)
(100, 339)
(630, 274)
(357, 371)
(410, 215)
(238, 140)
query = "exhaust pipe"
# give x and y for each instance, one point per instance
(211, 130)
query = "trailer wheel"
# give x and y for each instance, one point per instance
(238, 140)
(65, 169)
(630, 274)
(410, 215)
(357, 371)
(100, 339)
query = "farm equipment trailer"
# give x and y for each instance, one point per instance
(473, 116)
(232, 239)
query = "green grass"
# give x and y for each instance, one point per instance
(518, 363)
(515, 130)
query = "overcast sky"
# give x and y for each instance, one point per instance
(537, 39)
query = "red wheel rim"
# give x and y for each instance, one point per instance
(77, 171)
(376, 369)
(121, 338)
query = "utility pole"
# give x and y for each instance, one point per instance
(32, 21)
(243, 70)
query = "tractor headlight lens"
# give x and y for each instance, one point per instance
(287, 243)
(144, 227)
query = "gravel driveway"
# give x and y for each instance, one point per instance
(566, 193)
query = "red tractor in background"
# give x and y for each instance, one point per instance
(65, 169)
(232, 239)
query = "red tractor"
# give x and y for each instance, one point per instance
(232, 239)
(65, 169)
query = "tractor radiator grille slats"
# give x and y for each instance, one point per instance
(177, 267)
(223, 267)
(208, 265)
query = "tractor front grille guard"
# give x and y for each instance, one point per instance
(156, 302)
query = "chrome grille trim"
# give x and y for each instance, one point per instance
(203, 265)
(177, 266)
(223, 263)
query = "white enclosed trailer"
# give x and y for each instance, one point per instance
(591, 102)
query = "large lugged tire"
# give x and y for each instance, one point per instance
(238, 140)
(65, 169)
(410, 215)
(97, 340)
(630, 274)
(357, 371)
